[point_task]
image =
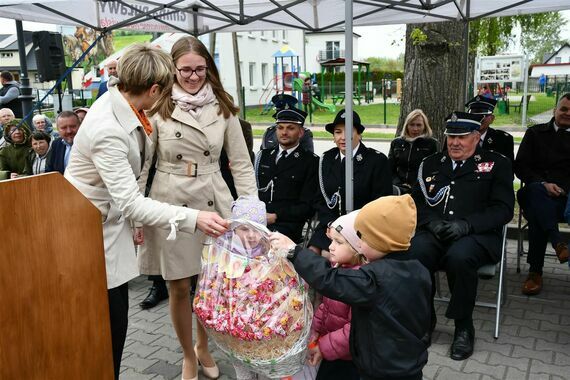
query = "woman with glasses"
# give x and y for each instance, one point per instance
(407, 151)
(191, 125)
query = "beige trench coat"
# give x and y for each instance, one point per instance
(188, 151)
(107, 156)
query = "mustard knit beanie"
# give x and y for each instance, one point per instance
(388, 223)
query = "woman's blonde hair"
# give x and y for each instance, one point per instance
(143, 65)
(357, 258)
(164, 107)
(411, 116)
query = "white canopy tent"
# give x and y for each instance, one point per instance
(206, 16)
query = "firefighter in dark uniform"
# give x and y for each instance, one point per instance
(269, 139)
(371, 178)
(287, 177)
(464, 197)
(491, 139)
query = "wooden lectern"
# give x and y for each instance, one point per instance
(54, 316)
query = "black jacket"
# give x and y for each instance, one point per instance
(481, 192)
(544, 155)
(501, 142)
(55, 160)
(405, 158)
(15, 104)
(390, 300)
(372, 180)
(294, 188)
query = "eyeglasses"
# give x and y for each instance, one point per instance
(187, 72)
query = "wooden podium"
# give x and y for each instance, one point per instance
(54, 321)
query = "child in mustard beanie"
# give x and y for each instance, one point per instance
(390, 296)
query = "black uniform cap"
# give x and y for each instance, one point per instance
(340, 119)
(481, 105)
(291, 115)
(462, 123)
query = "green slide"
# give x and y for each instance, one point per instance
(298, 86)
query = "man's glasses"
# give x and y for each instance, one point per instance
(187, 72)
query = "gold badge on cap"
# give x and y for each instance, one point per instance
(454, 117)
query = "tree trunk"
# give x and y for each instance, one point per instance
(434, 73)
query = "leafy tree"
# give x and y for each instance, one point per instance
(538, 34)
(386, 64)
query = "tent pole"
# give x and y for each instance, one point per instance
(348, 122)
(26, 97)
(466, 51)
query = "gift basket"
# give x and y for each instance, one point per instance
(252, 302)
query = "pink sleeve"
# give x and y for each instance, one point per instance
(318, 322)
(335, 345)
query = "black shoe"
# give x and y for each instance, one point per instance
(155, 295)
(462, 346)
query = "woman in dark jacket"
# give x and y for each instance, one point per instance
(407, 151)
(14, 157)
(371, 174)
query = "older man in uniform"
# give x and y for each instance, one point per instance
(464, 196)
(287, 176)
(543, 164)
(491, 139)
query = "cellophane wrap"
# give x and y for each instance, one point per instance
(252, 302)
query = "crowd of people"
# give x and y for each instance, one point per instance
(163, 155)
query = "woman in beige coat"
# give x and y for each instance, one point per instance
(107, 156)
(191, 126)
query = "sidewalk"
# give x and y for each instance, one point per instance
(533, 341)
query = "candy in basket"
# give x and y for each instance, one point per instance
(252, 302)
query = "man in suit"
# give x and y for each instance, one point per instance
(67, 126)
(464, 196)
(111, 67)
(491, 139)
(287, 176)
(543, 165)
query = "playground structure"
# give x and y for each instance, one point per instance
(293, 81)
(357, 95)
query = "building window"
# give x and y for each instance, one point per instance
(285, 35)
(333, 50)
(264, 73)
(274, 34)
(7, 55)
(557, 59)
(252, 74)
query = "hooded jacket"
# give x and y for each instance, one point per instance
(14, 157)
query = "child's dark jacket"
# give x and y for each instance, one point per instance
(390, 301)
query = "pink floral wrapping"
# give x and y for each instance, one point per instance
(253, 303)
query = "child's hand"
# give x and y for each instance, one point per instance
(280, 243)
(315, 356)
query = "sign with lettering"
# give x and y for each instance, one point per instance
(114, 12)
(506, 68)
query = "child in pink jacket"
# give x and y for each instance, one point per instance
(331, 323)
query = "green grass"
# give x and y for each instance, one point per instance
(373, 114)
(120, 42)
(369, 114)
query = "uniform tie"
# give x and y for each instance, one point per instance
(282, 155)
(457, 166)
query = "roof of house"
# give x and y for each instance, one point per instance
(9, 42)
(334, 31)
(548, 57)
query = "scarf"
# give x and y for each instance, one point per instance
(192, 103)
(143, 119)
(412, 139)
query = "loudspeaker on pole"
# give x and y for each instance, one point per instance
(50, 56)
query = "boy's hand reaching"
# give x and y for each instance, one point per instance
(280, 243)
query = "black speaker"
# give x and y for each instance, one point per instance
(50, 56)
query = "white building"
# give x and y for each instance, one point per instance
(555, 64)
(324, 46)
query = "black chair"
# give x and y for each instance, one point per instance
(518, 107)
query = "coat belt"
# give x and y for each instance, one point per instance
(190, 169)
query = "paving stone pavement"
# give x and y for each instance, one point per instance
(533, 341)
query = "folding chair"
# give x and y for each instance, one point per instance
(487, 272)
(309, 229)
